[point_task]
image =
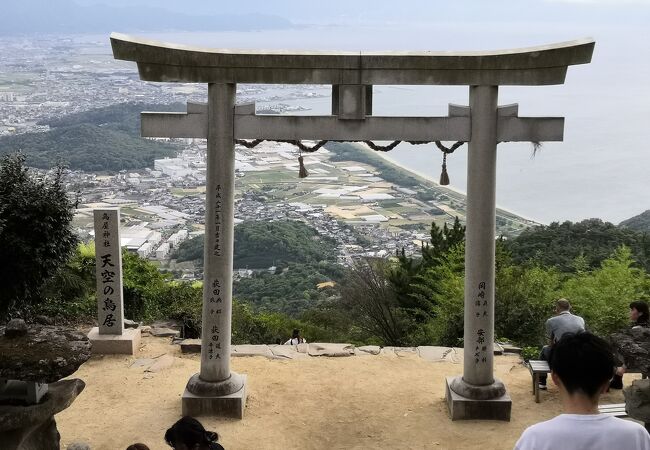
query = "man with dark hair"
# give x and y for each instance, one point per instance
(563, 322)
(581, 366)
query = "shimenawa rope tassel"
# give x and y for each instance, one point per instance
(302, 172)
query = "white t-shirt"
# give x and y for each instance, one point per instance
(584, 432)
(295, 341)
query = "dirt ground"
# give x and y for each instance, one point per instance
(360, 402)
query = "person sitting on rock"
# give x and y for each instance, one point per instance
(639, 316)
(563, 322)
(188, 434)
(296, 338)
(581, 366)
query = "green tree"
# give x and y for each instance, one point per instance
(559, 245)
(443, 286)
(36, 237)
(524, 299)
(602, 296)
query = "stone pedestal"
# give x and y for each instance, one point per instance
(216, 402)
(126, 343)
(464, 408)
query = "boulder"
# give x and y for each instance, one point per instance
(15, 328)
(33, 426)
(633, 348)
(44, 320)
(44, 355)
(637, 400)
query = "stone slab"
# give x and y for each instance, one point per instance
(366, 350)
(226, 406)
(439, 354)
(127, 343)
(331, 349)
(398, 351)
(509, 348)
(142, 362)
(302, 348)
(161, 363)
(164, 332)
(462, 408)
(191, 346)
(287, 352)
(252, 350)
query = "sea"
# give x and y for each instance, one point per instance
(600, 170)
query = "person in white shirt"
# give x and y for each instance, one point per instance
(295, 338)
(582, 365)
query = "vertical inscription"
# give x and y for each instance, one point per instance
(217, 221)
(108, 264)
(214, 309)
(481, 313)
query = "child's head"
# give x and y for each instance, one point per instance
(188, 433)
(582, 363)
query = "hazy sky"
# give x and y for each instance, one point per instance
(362, 11)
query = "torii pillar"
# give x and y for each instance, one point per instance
(474, 395)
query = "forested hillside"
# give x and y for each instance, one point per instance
(568, 246)
(103, 139)
(638, 223)
(259, 245)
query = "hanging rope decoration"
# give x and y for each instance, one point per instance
(302, 171)
(444, 176)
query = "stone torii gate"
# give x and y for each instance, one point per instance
(474, 395)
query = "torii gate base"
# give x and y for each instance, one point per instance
(461, 408)
(226, 405)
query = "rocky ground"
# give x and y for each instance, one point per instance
(390, 400)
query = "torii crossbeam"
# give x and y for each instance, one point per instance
(474, 395)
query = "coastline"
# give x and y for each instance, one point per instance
(428, 178)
